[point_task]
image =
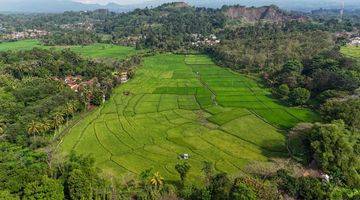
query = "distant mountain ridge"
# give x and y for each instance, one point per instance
(55, 6)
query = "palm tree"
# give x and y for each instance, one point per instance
(58, 120)
(70, 108)
(45, 127)
(2, 128)
(50, 123)
(33, 128)
(157, 180)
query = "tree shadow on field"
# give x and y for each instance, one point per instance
(274, 149)
(176, 183)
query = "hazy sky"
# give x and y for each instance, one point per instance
(126, 2)
(121, 2)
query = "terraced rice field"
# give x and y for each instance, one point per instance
(184, 104)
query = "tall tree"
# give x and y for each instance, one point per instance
(45, 188)
(34, 128)
(336, 151)
(182, 169)
(220, 186)
(208, 170)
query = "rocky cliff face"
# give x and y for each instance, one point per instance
(253, 14)
(180, 5)
(175, 5)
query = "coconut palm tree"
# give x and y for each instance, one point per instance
(2, 128)
(58, 119)
(157, 180)
(50, 123)
(45, 127)
(70, 110)
(34, 128)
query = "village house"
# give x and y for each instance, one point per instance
(73, 82)
(200, 40)
(82, 25)
(76, 83)
(27, 34)
(355, 41)
(2, 29)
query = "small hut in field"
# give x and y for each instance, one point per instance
(184, 156)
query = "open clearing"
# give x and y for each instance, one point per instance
(19, 45)
(94, 51)
(351, 51)
(184, 104)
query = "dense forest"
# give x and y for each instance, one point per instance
(35, 98)
(35, 101)
(297, 57)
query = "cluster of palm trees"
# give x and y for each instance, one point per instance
(35, 128)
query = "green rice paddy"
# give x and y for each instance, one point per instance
(184, 104)
(104, 51)
(94, 51)
(351, 51)
(19, 45)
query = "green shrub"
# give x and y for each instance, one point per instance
(302, 188)
(299, 96)
(5, 195)
(335, 149)
(283, 90)
(220, 186)
(310, 188)
(241, 191)
(46, 188)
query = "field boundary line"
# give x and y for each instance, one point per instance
(118, 118)
(252, 143)
(67, 129)
(238, 117)
(174, 142)
(264, 120)
(106, 149)
(137, 102)
(117, 137)
(205, 85)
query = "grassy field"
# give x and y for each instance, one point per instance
(94, 51)
(19, 45)
(351, 51)
(184, 104)
(104, 51)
